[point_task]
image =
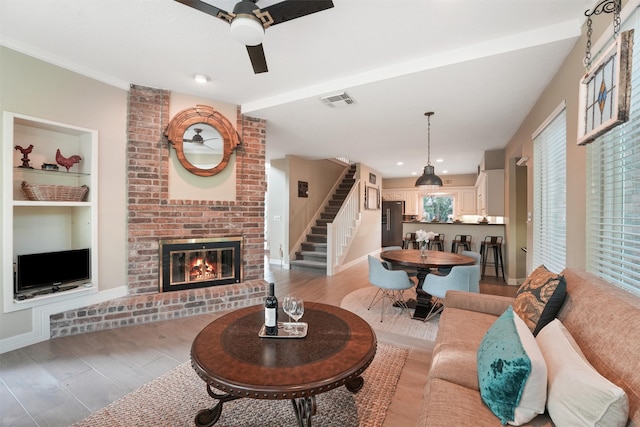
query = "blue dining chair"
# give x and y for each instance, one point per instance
(391, 285)
(461, 278)
(475, 255)
(412, 272)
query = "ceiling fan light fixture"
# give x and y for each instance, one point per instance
(247, 29)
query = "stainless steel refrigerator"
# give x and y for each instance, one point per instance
(392, 212)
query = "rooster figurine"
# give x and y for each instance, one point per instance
(67, 162)
(25, 155)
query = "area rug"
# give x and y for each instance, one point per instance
(175, 398)
(394, 321)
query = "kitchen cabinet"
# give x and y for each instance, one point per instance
(466, 202)
(490, 192)
(411, 203)
(464, 199)
(393, 195)
(47, 224)
(409, 197)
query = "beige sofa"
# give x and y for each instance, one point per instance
(604, 320)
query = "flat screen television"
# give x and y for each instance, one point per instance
(51, 269)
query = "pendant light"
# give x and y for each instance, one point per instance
(429, 179)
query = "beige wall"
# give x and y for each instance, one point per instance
(35, 88)
(563, 87)
(277, 211)
(321, 176)
(368, 237)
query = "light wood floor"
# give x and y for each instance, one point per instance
(60, 381)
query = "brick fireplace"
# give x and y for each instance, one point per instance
(153, 217)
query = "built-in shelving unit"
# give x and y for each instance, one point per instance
(47, 225)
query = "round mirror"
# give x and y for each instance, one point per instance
(202, 146)
(203, 139)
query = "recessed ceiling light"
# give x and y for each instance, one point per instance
(414, 173)
(202, 78)
(439, 160)
(399, 163)
(445, 171)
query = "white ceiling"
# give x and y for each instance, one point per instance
(479, 65)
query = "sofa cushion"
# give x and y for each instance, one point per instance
(508, 360)
(539, 298)
(455, 354)
(446, 404)
(578, 394)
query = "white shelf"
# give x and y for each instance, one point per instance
(60, 172)
(47, 226)
(55, 297)
(34, 203)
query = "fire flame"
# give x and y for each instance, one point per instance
(201, 269)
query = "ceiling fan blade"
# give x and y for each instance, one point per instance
(292, 9)
(258, 61)
(208, 9)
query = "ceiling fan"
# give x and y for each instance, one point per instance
(248, 21)
(197, 138)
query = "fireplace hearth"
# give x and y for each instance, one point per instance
(200, 263)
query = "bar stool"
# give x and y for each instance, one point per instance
(409, 239)
(461, 241)
(495, 243)
(438, 241)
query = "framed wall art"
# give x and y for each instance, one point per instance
(605, 91)
(371, 198)
(303, 189)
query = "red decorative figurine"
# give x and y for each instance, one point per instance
(67, 162)
(25, 155)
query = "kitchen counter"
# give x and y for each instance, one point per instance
(477, 231)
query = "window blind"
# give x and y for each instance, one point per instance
(550, 193)
(613, 196)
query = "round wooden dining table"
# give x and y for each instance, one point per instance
(423, 262)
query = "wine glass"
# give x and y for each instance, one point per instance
(297, 310)
(287, 305)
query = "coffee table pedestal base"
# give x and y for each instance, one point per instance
(208, 417)
(304, 407)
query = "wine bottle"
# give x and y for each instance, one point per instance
(271, 312)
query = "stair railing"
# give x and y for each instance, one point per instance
(341, 231)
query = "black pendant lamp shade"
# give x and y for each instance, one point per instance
(429, 177)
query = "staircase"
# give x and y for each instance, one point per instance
(313, 254)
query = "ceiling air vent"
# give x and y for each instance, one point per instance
(337, 100)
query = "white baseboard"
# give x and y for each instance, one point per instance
(279, 263)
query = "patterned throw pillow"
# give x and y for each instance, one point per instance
(539, 298)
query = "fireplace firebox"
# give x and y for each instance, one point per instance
(200, 263)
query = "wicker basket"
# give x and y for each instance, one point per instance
(54, 193)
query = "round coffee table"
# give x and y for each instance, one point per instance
(235, 362)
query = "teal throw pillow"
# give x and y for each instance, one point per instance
(503, 367)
